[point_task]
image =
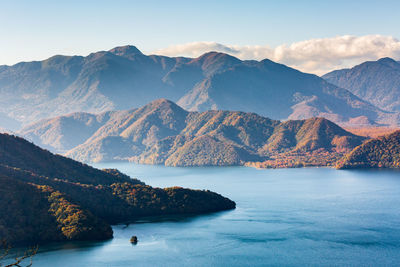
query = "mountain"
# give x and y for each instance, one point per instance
(46, 197)
(120, 78)
(117, 79)
(280, 92)
(377, 82)
(124, 78)
(161, 132)
(381, 152)
(38, 214)
(65, 132)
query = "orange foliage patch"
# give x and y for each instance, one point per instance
(299, 159)
(372, 132)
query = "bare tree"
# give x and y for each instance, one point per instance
(18, 260)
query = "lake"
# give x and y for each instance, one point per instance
(284, 217)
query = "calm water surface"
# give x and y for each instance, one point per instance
(284, 217)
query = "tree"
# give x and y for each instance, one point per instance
(18, 260)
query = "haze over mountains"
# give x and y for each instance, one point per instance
(124, 78)
(375, 81)
(161, 132)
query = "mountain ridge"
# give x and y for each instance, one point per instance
(124, 78)
(375, 81)
(162, 132)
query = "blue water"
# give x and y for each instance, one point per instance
(284, 217)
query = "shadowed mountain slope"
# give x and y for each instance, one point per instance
(280, 92)
(46, 197)
(375, 81)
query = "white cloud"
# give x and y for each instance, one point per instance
(315, 56)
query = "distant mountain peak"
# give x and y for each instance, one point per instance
(212, 62)
(163, 105)
(160, 101)
(388, 61)
(124, 78)
(213, 55)
(127, 50)
(377, 82)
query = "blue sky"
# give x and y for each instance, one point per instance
(32, 30)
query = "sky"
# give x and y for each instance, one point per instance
(313, 36)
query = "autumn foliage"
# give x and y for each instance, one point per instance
(382, 152)
(45, 197)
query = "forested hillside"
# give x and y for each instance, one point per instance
(382, 152)
(46, 197)
(161, 132)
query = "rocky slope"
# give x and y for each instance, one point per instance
(381, 152)
(46, 197)
(375, 81)
(161, 132)
(124, 78)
